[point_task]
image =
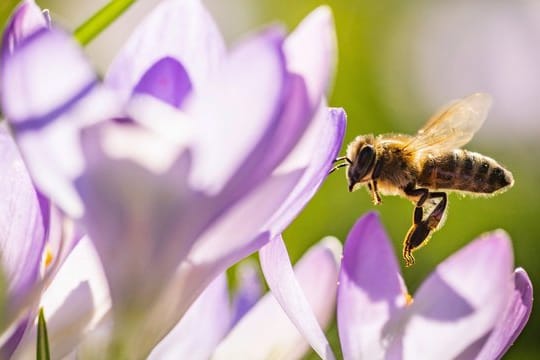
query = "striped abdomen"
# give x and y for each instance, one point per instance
(464, 171)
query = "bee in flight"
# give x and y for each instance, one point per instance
(424, 167)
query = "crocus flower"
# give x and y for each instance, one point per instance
(213, 327)
(187, 157)
(473, 306)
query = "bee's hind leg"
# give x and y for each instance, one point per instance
(419, 233)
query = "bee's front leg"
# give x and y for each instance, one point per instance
(372, 185)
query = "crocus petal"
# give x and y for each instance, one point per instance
(513, 321)
(45, 109)
(288, 291)
(149, 216)
(24, 226)
(25, 20)
(183, 30)
(460, 302)
(74, 303)
(370, 290)
(311, 52)
(315, 152)
(166, 80)
(244, 97)
(34, 86)
(266, 331)
(201, 329)
(231, 233)
(248, 291)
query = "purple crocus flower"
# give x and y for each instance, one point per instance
(473, 306)
(187, 157)
(213, 327)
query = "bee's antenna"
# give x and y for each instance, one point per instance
(338, 167)
(341, 158)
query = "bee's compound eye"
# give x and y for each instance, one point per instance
(363, 164)
(366, 156)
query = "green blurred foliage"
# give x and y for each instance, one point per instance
(6, 6)
(364, 29)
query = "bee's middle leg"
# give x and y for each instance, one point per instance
(421, 229)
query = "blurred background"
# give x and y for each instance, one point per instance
(399, 61)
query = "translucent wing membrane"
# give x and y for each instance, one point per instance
(453, 126)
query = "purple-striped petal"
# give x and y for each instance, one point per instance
(311, 52)
(25, 20)
(46, 108)
(182, 30)
(35, 89)
(370, 292)
(318, 283)
(460, 302)
(236, 109)
(24, 227)
(266, 331)
(201, 329)
(513, 320)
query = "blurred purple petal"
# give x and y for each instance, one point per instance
(45, 109)
(75, 301)
(167, 80)
(201, 329)
(311, 52)
(288, 292)
(370, 292)
(35, 89)
(25, 20)
(266, 331)
(460, 302)
(513, 320)
(249, 289)
(183, 30)
(24, 226)
(154, 216)
(244, 97)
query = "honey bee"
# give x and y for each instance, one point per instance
(424, 167)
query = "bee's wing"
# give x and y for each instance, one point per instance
(453, 126)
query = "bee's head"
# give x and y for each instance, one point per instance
(362, 155)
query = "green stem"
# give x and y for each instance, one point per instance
(100, 20)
